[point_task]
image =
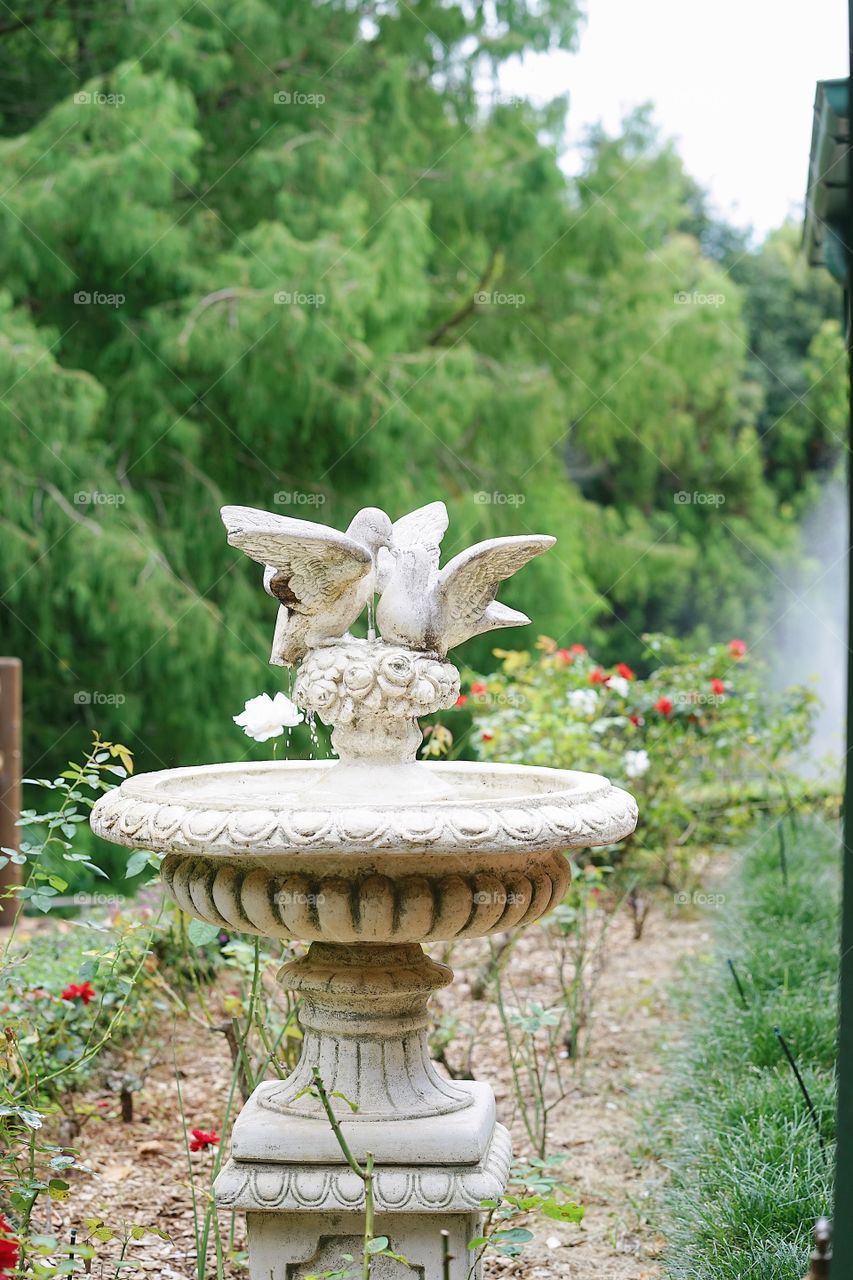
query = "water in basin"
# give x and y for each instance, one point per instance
(301, 785)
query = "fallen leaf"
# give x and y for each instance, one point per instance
(149, 1149)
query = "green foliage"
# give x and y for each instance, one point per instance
(749, 1177)
(535, 1189)
(472, 323)
(701, 739)
(73, 995)
(64, 1006)
(796, 361)
(49, 1029)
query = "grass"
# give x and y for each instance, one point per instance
(748, 1176)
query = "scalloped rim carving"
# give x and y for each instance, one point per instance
(579, 809)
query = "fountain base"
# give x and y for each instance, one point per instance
(437, 1149)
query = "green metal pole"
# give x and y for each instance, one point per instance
(842, 1262)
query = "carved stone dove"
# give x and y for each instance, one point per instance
(425, 609)
(321, 577)
(423, 528)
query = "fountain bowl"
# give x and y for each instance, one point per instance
(302, 850)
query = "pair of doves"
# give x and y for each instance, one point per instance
(323, 579)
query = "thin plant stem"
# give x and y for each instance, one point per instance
(368, 1216)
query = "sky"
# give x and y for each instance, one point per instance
(732, 82)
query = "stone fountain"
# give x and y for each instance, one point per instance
(367, 858)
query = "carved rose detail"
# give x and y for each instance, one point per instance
(343, 680)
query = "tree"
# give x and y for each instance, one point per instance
(294, 256)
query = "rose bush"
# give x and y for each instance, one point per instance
(701, 739)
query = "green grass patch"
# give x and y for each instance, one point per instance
(748, 1175)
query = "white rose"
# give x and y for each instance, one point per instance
(583, 701)
(619, 685)
(636, 763)
(265, 717)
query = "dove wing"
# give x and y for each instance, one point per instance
(314, 564)
(468, 583)
(424, 527)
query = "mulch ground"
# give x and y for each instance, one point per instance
(139, 1172)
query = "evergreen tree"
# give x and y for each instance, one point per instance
(295, 256)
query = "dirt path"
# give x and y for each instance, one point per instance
(596, 1124)
(140, 1168)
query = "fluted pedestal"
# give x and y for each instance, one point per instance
(438, 1151)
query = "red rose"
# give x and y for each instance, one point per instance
(79, 991)
(664, 706)
(478, 688)
(598, 676)
(461, 700)
(565, 656)
(623, 670)
(200, 1140)
(487, 737)
(9, 1249)
(718, 686)
(578, 649)
(635, 719)
(737, 648)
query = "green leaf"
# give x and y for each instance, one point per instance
(513, 1235)
(136, 863)
(353, 1106)
(377, 1244)
(200, 933)
(563, 1211)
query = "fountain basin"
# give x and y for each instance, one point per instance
(296, 850)
(271, 809)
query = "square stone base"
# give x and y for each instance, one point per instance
(297, 1246)
(304, 1219)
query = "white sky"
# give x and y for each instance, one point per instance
(732, 81)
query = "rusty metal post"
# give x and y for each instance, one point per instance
(10, 780)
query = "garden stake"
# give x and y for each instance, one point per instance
(783, 855)
(801, 1082)
(740, 990)
(446, 1257)
(822, 1255)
